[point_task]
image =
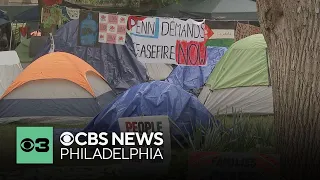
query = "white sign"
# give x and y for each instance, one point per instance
(149, 124)
(223, 34)
(169, 40)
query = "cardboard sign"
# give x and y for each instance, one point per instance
(225, 165)
(223, 34)
(245, 30)
(148, 124)
(169, 41)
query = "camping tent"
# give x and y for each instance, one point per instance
(192, 78)
(57, 84)
(240, 80)
(117, 63)
(10, 68)
(158, 71)
(153, 99)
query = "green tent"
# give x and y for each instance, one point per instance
(23, 51)
(240, 80)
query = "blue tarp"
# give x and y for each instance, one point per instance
(117, 63)
(33, 14)
(152, 99)
(28, 15)
(192, 78)
(4, 18)
(3, 15)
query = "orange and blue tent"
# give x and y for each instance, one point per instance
(57, 84)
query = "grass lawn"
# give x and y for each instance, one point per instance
(229, 121)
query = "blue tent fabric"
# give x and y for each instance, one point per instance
(4, 15)
(191, 78)
(152, 99)
(117, 63)
(33, 13)
(3, 21)
(4, 18)
(28, 15)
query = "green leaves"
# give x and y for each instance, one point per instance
(56, 17)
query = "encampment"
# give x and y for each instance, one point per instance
(241, 80)
(10, 68)
(153, 99)
(57, 84)
(117, 64)
(192, 78)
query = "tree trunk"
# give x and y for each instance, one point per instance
(292, 31)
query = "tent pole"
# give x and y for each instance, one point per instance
(10, 36)
(52, 47)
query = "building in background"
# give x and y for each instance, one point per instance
(212, 9)
(18, 2)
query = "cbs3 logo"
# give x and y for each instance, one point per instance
(40, 145)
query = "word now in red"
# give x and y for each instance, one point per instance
(191, 53)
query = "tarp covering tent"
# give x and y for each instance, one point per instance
(31, 14)
(117, 63)
(5, 31)
(4, 18)
(155, 71)
(152, 99)
(57, 84)
(212, 9)
(13, 10)
(192, 78)
(240, 80)
(10, 68)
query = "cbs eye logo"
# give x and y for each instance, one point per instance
(66, 138)
(40, 145)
